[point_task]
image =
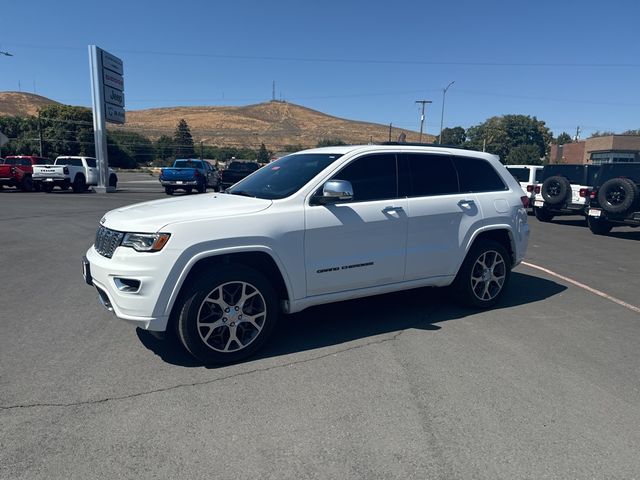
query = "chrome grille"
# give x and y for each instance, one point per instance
(107, 241)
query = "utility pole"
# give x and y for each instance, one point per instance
(423, 102)
(40, 135)
(577, 133)
(273, 91)
(444, 92)
(390, 131)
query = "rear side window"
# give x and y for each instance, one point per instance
(372, 177)
(477, 175)
(539, 172)
(521, 174)
(429, 175)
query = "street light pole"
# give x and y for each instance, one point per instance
(444, 92)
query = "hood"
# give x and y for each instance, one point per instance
(150, 217)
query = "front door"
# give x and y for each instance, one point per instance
(359, 243)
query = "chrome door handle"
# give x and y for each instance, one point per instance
(463, 203)
(392, 209)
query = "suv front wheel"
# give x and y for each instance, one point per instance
(227, 314)
(483, 275)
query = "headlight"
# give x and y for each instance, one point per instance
(145, 242)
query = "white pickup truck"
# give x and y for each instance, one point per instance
(78, 173)
(314, 227)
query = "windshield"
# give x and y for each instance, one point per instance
(283, 177)
(187, 164)
(244, 166)
(521, 174)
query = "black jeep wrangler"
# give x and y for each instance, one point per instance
(615, 198)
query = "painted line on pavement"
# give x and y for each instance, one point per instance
(589, 289)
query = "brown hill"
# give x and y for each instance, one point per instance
(22, 103)
(276, 124)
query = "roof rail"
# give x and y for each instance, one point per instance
(419, 144)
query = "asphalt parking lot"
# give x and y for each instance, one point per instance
(407, 385)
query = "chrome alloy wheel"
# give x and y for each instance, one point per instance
(231, 316)
(488, 275)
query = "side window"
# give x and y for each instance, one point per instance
(373, 177)
(477, 175)
(91, 162)
(25, 162)
(431, 175)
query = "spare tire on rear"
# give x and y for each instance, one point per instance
(555, 190)
(617, 195)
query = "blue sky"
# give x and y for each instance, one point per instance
(568, 63)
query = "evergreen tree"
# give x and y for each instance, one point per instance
(263, 154)
(183, 141)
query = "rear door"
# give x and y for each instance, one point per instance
(359, 243)
(439, 215)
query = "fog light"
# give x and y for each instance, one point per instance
(128, 285)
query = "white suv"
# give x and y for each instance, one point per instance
(529, 176)
(314, 227)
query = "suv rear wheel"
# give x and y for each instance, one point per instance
(227, 314)
(599, 226)
(543, 214)
(483, 275)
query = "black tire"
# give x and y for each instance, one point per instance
(47, 187)
(617, 195)
(227, 286)
(79, 184)
(542, 214)
(599, 226)
(26, 185)
(113, 181)
(64, 187)
(471, 286)
(168, 190)
(202, 187)
(188, 189)
(555, 190)
(37, 186)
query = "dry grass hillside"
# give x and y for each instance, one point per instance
(276, 124)
(21, 103)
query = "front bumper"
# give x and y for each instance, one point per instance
(144, 306)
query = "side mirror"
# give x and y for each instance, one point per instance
(335, 191)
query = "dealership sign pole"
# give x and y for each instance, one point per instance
(107, 93)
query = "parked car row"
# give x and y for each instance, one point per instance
(190, 174)
(29, 172)
(606, 195)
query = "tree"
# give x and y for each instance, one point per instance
(133, 148)
(263, 154)
(563, 138)
(631, 132)
(499, 135)
(604, 133)
(183, 141)
(524, 155)
(330, 142)
(455, 136)
(164, 148)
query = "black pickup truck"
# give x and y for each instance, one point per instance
(236, 171)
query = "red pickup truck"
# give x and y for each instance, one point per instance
(17, 171)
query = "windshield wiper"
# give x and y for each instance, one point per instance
(240, 192)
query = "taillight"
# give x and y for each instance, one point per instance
(529, 188)
(197, 173)
(593, 194)
(537, 189)
(65, 170)
(525, 201)
(584, 192)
